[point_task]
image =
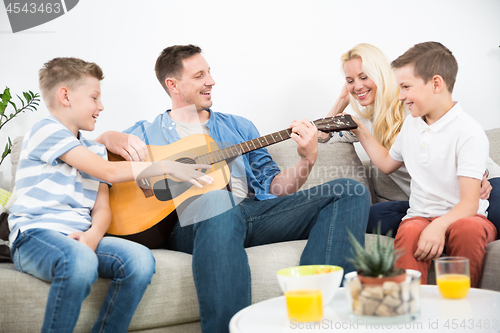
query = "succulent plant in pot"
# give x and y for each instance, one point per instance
(376, 264)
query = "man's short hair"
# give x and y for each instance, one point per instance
(68, 71)
(429, 59)
(169, 63)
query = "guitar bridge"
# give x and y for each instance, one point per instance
(145, 186)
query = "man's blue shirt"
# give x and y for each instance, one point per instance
(225, 129)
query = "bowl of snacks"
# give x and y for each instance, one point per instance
(326, 278)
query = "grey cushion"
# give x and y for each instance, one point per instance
(383, 187)
(494, 138)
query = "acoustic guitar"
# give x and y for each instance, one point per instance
(144, 210)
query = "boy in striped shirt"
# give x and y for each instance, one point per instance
(62, 209)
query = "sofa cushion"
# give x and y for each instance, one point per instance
(382, 186)
(494, 138)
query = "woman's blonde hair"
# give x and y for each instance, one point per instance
(387, 113)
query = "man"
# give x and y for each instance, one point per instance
(263, 206)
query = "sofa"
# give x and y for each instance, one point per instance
(170, 302)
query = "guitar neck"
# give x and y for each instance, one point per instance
(329, 124)
(244, 147)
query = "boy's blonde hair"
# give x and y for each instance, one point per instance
(67, 71)
(387, 112)
(429, 59)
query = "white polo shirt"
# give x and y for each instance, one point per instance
(436, 156)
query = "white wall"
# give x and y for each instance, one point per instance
(273, 61)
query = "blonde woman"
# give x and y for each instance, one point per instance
(373, 95)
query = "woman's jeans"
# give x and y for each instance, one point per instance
(73, 267)
(322, 214)
(390, 213)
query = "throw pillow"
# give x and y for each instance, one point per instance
(4, 238)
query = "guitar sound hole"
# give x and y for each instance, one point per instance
(167, 189)
(187, 160)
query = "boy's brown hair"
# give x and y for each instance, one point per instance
(70, 71)
(429, 59)
(169, 63)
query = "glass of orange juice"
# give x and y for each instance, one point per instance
(453, 276)
(304, 305)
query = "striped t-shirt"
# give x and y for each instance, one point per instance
(50, 193)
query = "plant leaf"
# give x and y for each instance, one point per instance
(22, 101)
(27, 96)
(13, 104)
(7, 149)
(6, 96)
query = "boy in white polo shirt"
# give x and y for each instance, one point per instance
(62, 209)
(446, 152)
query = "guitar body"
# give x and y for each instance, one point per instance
(148, 217)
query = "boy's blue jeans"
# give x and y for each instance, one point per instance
(73, 267)
(221, 272)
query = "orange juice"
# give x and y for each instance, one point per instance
(304, 305)
(453, 285)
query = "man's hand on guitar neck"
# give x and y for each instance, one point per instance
(128, 146)
(306, 136)
(288, 181)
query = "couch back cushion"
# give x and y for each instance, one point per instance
(494, 138)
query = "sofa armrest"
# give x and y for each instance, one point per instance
(491, 267)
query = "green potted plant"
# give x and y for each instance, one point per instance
(378, 288)
(30, 102)
(376, 265)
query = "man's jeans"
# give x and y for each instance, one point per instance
(221, 273)
(73, 267)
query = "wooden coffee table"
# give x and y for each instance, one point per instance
(478, 312)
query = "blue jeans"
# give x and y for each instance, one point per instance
(220, 265)
(73, 267)
(494, 208)
(390, 213)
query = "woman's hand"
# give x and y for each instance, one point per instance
(485, 188)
